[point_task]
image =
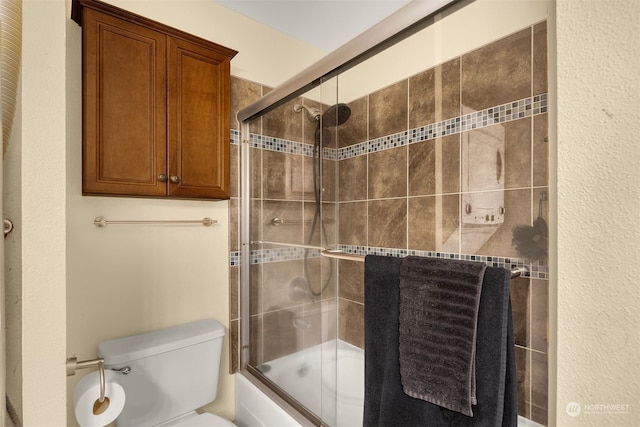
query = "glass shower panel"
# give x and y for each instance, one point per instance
(292, 217)
(445, 156)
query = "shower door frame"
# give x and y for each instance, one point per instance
(408, 20)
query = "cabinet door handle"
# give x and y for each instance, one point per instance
(162, 177)
(175, 179)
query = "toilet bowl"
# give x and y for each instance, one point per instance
(170, 373)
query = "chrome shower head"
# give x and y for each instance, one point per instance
(335, 115)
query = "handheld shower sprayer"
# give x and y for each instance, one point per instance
(333, 116)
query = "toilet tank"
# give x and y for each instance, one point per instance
(173, 371)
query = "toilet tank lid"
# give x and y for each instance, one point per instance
(127, 349)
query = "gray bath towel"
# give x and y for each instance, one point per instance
(439, 301)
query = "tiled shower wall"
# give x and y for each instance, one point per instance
(401, 188)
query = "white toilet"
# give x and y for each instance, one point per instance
(172, 372)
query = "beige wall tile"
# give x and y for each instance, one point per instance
(423, 156)
(432, 221)
(351, 322)
(234, 291)
(517, 153)
(517, 204)
(283, 122)
(520, 302)
(315, 232)
(255, 173)
(234, 229)
(353, 179)
(387, 173)
(277, 278)
(280, 335)
(497, 73)
(540, 84)
(434, 94)
(234, 170)
(352, 223)
(388, 110)
(255, 289)
(387, 223)
(243, 93)
(321, 272)
(539, 387)
(351, 281)
(539, 315)
(234, 346)
(523, 374)
(540, 151)
(355, 130)
(282, 176)
(288, 211)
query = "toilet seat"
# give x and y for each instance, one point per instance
(200, 420)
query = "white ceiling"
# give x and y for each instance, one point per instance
(326, 24)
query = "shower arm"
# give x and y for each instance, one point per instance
(313, 113)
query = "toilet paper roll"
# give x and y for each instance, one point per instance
(87, 391)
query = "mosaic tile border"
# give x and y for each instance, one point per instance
(283, 145)
(263, 256)
(510, 111)
(536, 270)
(507, 112)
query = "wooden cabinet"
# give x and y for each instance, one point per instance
(155, 108)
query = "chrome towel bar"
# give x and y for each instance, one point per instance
(279, 221)
(334, 253)
(206, 221)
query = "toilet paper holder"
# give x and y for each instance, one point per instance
(73, 365)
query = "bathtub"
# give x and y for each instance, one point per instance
(300, 374)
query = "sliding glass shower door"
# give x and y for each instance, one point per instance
(292, 211)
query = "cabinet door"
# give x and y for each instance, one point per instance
(198, 121)
(124, 107)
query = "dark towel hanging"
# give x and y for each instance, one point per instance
(496, 388)
(439, 301)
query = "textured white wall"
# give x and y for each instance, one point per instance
(43, 213)
(598, 212)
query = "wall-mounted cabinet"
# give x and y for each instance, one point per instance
(155, 108)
